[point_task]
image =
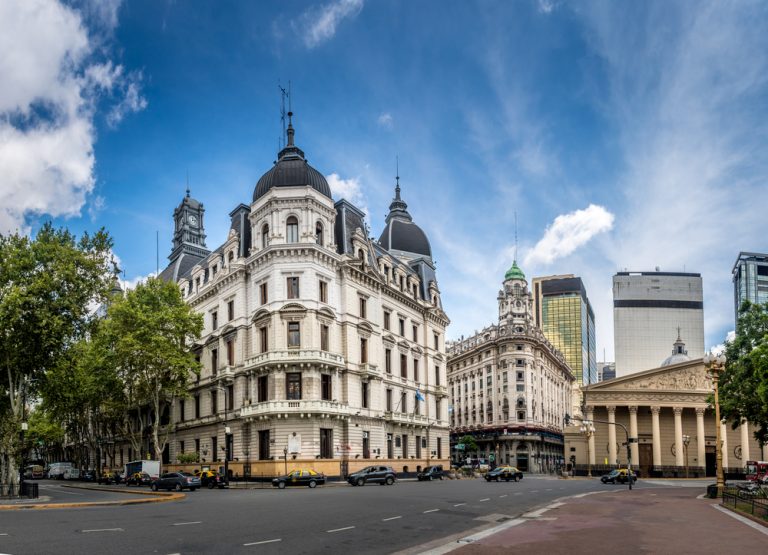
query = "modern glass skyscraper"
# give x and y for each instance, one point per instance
(563, 312)
(750, 279)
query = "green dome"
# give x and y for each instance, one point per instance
(514, 272)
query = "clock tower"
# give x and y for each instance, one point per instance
(189, 233)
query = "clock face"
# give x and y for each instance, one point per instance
(192, 219)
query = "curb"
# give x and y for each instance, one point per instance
(156, 497)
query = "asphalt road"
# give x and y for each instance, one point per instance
(53, 491)
(330, 519)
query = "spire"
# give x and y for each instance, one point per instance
(398, 208)
(290, 129)
(187, 183)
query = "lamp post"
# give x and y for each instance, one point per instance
(686, 442)
(716, 365)
(588, 429)
(24, 428)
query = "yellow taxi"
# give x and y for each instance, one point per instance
(300, 477)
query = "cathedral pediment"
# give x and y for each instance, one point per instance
(688, 376)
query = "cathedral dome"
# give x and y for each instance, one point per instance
(400, 233)
(679, 353)
(291, 170)
(514, 272)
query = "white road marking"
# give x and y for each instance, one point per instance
(500, 496)
(185, 523)
(67, 492)
(262, 542)
(4, 534)
(391, 518)
(548, 489)
(518, 493)
(339, 529)
(459, 504)
(104, 530)
(534, 491)
(431, 511)
(486, 499)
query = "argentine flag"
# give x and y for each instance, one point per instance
(419, 396)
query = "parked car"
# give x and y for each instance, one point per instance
(211, 479)
(177, 481)
(138, 479)
(505, 473)
(110, 477)
(373, 474)
(618, 476)
(88, 476)
(300, 477)
(33, 472)
(434, 472)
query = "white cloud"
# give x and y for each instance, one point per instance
(569, 232)
(349, 189)
(52, 80)
(317, 25)
(547, 6)
(385, 120)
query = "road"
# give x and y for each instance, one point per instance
(332, 519)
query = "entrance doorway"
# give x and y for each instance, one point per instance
(645, 454)
(263, 445)
(710, 458)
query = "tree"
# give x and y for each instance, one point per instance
(145, 341)
(469, 443)
(744, 384)
(48, 286)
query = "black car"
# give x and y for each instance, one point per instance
(373, 474)
(618, 476)
(110, 478)
(138, 479)
(434, 472)
(505, 473)
(177, 481)
(299, 477)
(88, 476)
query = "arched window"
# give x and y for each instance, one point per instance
(292, 230)
(265, 236)
(319, 233)
(231, 256)
(360, 253)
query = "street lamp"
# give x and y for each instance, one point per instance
(686, 442)
(716, 365)
(24, 428)
(588, 429)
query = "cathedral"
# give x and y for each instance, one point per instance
(510, 387)
(322, 347)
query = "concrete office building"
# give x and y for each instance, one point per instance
(651, 309)
(563, 312)
(750, 279)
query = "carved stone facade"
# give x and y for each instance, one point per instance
(660, 407)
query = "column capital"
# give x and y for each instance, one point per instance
(678, 410)
(632, 409)
(611, 409)
(656, 410)
(700, 411)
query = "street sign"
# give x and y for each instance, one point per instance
(459, 446)
(492, 457)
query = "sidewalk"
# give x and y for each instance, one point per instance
(663, 520)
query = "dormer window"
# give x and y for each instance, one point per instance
(231, 256)
(319, 233)
(292, 230)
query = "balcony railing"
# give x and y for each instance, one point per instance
(404, 418)
(301, 407)
(370, 369)
(295, 356)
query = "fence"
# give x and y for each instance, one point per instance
(750, 503)
(15, 491)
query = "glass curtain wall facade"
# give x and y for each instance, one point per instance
(564, 314)
(750, 279)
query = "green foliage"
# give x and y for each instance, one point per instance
(186, 458)
(469, 443)
(143, 343)
(744, 384)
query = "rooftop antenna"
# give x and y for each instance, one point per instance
(283, 94)
(515, 235)
(397, 177)
(187, 183)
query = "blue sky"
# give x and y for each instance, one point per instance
(624, 135)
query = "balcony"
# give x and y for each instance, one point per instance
(294, 356)
(441, 390)
(226, 374)
(302, 408)
(407, 419)
(370, 370)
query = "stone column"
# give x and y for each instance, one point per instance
(635, 447)
(724, 436)
(590, 417)
(679, 447)
(656, 435)
(611, 434)
(701, 441)
(744, 442)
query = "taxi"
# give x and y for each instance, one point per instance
(618, 476)
(211, 479)
(505, 473)
(300, 477)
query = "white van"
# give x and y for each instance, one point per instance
(71, 473)
(56, 470)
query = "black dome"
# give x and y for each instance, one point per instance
(405, 236)
(291, 170)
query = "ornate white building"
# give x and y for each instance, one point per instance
(320, 344)
(510, 388)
